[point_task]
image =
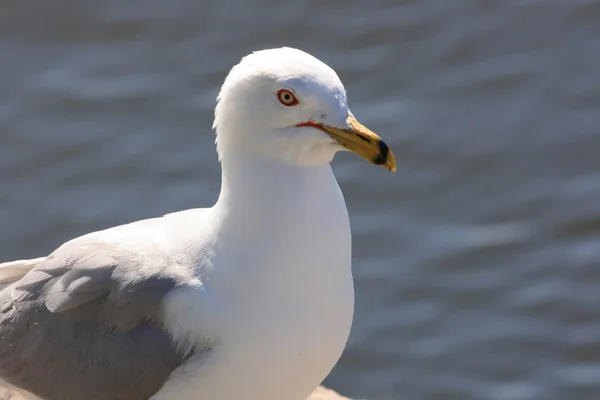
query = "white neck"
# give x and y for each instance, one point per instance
(255, 188)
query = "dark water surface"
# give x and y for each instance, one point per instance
(477, 263)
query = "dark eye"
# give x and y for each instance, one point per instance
(287, 98)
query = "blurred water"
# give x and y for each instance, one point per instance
(476, 264)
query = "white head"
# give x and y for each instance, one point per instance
(287, 106)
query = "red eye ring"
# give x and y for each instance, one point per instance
(287, 98)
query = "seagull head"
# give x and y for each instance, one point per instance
(287, 106)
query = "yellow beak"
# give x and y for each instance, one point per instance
(360, 140)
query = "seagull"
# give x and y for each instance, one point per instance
(250, 299)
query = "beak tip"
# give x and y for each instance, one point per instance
(386, 157)
(391, 162)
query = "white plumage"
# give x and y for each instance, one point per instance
(254, 294)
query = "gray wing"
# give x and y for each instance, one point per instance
(86, 323)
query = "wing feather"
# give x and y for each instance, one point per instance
(86, 321)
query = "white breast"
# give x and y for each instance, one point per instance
(282, 302)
